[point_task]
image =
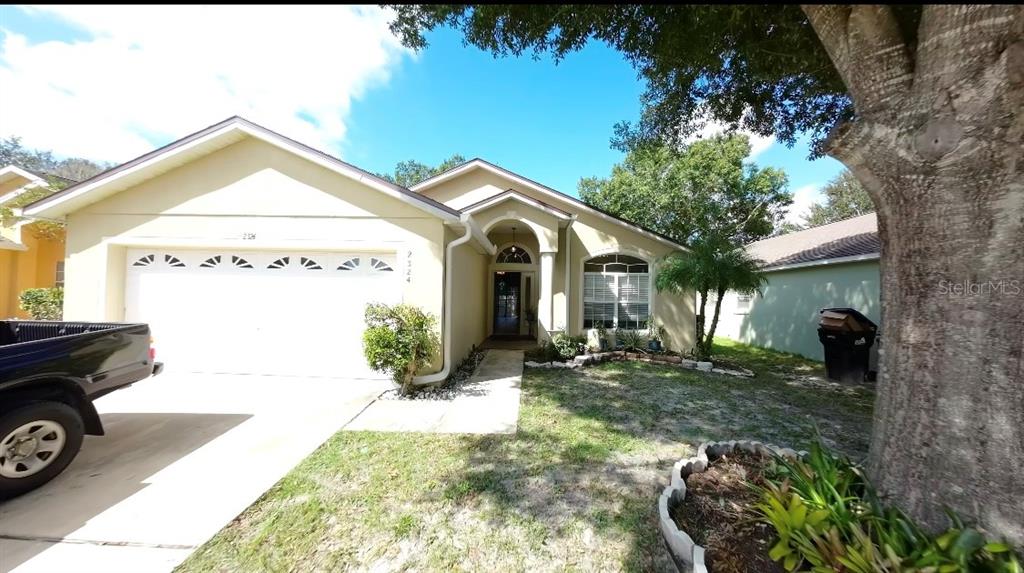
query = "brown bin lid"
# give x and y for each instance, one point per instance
(840, 321)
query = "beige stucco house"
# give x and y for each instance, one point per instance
(250, 252)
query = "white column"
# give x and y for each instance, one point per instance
(547, 278)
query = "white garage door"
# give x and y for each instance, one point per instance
(244, 312)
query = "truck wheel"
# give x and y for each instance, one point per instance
(37, 441)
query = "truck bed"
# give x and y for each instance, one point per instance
(21, 331)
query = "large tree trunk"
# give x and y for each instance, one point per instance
(937, 142)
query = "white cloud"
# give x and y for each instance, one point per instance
(803, 198)
(163, 72)
(758, 143)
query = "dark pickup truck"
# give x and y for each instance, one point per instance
(50, 372)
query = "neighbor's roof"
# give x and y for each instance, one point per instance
(9, 245)
(848, 240)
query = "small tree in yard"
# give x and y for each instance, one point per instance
(710, 266)
(399, 340)
(923, 104)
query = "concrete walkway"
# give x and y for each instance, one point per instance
(489, 404)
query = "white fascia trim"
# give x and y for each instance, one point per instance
(476, 163)
(21, 172)
(823, 262)
(277, 141)
(513, 196)
(49, 203)
(431, 181)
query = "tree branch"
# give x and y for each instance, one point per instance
(868, 50)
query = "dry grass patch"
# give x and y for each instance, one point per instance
(573, 490)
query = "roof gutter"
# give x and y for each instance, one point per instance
(822, 262)
(568, 270)
(471, 231)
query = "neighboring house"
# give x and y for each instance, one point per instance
(834, 265)
(249, 252)
(28, 257)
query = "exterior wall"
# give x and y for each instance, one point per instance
(35, 267)
(8, 299)
(593, 236)
(469, 295)
(469, 188)
(785, 316)
(249, 195)
(589, 236)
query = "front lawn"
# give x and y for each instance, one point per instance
(574, 489)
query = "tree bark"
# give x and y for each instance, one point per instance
(702, 301)
(714, 321)
(941, 157)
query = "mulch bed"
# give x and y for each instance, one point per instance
(718, 513)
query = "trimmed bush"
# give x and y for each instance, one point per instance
(569, 346)
(399, 340)
(43, 303)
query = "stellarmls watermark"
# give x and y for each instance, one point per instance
(970, 288)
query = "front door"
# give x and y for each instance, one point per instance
(507, 306)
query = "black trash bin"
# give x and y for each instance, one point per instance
(847, 336)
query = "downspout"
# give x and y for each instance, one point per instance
(446, 323)
(568, 273)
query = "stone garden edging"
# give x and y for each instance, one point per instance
(687, 555)
(667, 359)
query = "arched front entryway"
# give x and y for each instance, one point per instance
(513, 282)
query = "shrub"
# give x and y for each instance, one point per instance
(630, 340)
(399, 340)
(569, 346)
(829, 518)
(43, 303)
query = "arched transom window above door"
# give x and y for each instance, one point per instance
(616, 292)
(514, 254)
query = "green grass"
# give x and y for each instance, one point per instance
(574, 490)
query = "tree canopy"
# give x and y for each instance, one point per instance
(711, 265)
(61, 171)
(760, 68)
(845, 197)
(411, 172)
(703, 189)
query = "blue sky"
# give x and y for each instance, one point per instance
(378, 106)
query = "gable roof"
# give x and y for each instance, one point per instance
(205, 141)
(477, 163)
(513, 195)
(848, 240)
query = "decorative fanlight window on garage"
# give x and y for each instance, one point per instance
(616, 292)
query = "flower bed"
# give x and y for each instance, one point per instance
(686, 553)
(662, 358)
(739, 507)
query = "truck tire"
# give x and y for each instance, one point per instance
(37, 441)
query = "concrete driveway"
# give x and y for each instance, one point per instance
(184, 454)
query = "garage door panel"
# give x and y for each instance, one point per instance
(259, 312)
